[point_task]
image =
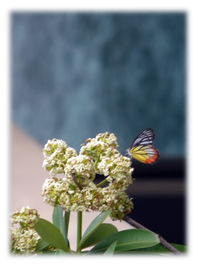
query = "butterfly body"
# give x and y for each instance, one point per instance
(142, 148)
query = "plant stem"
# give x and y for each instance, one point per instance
(102, 182)
(79, 230)
(163, 242)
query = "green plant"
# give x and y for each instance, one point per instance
(77, 191)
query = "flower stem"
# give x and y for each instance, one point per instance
(102, 182)
(79, 230)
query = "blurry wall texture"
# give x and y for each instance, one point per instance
(77, 74)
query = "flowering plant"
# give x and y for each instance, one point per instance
(71, 186)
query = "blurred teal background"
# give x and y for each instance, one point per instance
(77, 74)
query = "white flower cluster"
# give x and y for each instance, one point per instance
(23, 236)
(76, 191)
(56, 154)
(115, 200)
(104, 144)
(117, 169)
(82, 167)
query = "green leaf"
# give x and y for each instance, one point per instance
(128, 240)
(110, 250)
(51, 234)
(160, 249)
(101, 232)
(66, 221)
(93, 226)
(58, 221)
(57, 216)
(60, 252)
(41, 244)
(181, 248)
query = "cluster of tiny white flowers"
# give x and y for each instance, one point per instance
(83, 168)
(104, 144)
(76, 191)
(26, 217)
(53, 188)
(118, 169)
(24, 238)
(56, 154)
(115, 200)
(23, 241)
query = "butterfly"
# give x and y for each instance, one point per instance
(142, 148)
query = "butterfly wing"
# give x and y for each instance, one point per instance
(146, 137)
(142, 147)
